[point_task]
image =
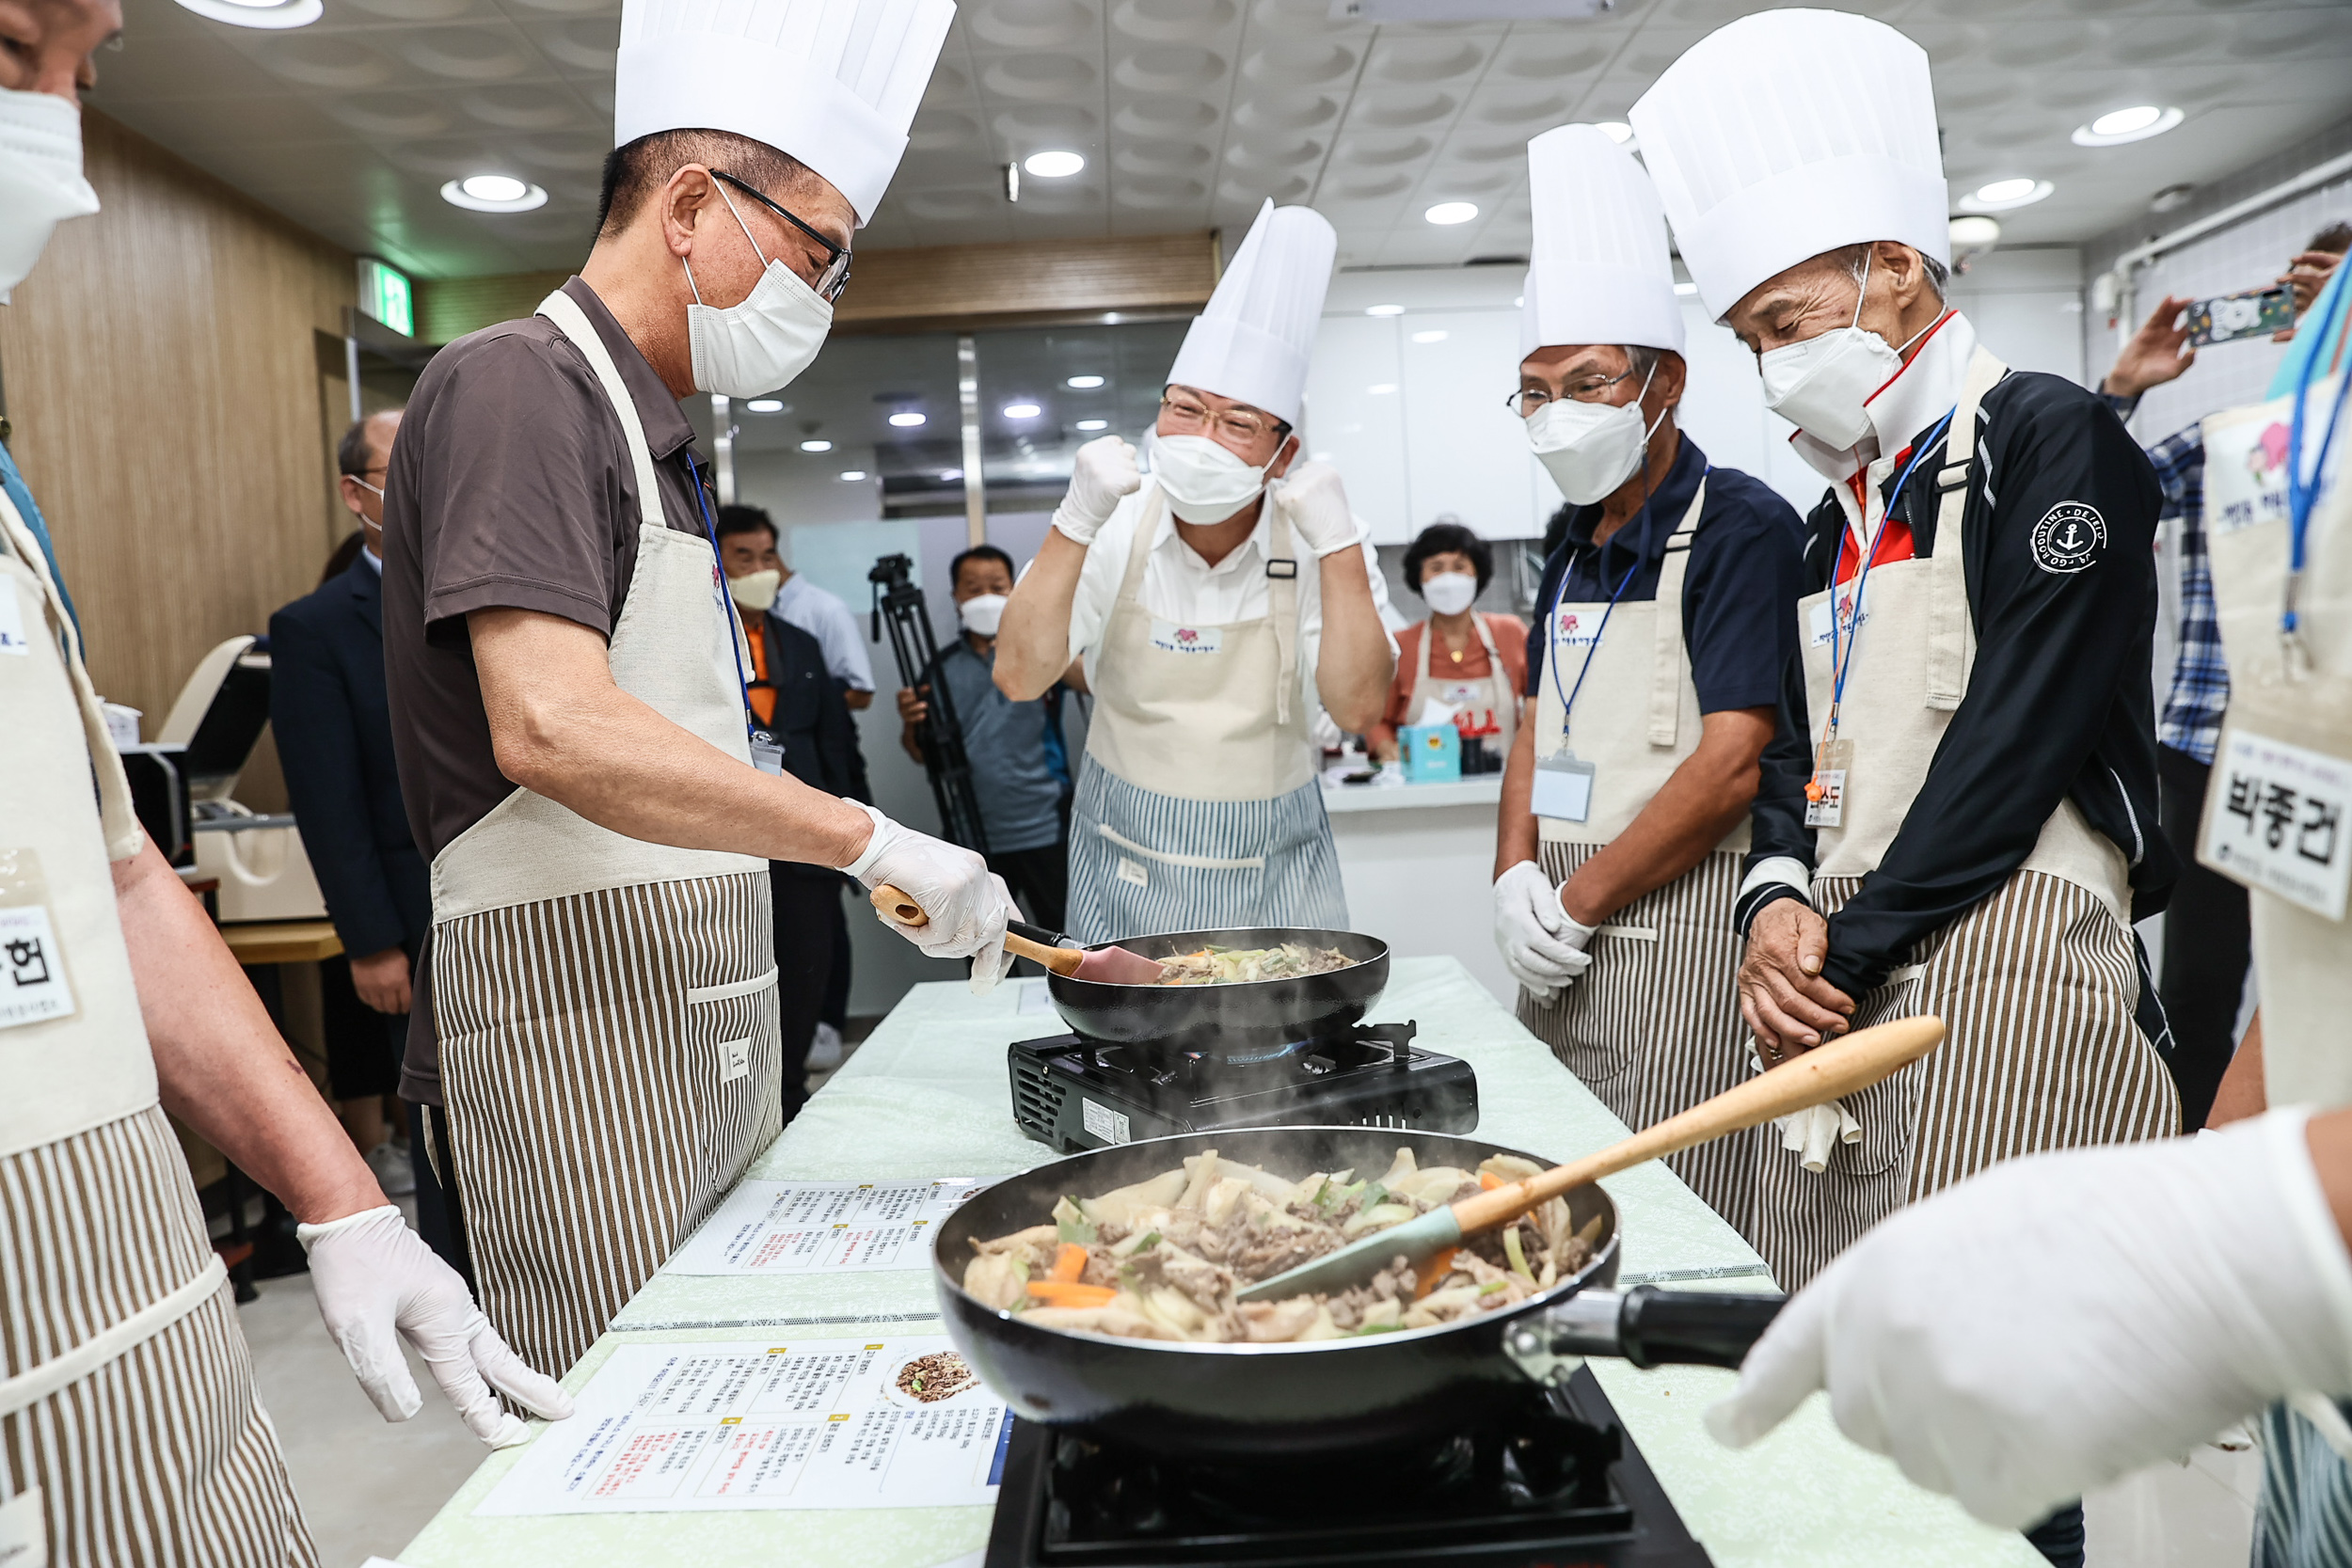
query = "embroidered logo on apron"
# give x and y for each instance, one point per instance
(2069, 538)
(1170, 638)
(1577, 630)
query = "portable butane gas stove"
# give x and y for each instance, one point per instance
(1558, 1486)
(1076, 1094)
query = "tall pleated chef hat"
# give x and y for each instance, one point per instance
(1600, 271)
(1252, 340)
(1789, 133)
(833, 83)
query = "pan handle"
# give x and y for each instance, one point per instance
(1645, 1326)
(1038, 934)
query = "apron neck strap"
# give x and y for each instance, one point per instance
(1670, 654)
(564, 311)
(1282, 605)
(1960, 446)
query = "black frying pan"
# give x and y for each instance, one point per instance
(1385, 1390)
(1253, 1022)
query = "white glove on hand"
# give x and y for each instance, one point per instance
(2065, 1319)
(1311, 497)
(967, 905)
(1541, 947)
(378, 1284)
(1101, 475)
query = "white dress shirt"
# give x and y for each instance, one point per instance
(824, 616)
(1179, 586)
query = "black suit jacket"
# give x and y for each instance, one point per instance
(334, 730)
(812, 722)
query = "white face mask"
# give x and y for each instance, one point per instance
(1448, 593)
(740, 350)
(41, 178)
(1590, 448)
(755, 591)
(1204, 481)
(1824, 384)
(981, 613)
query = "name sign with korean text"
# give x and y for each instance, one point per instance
(2275, 820)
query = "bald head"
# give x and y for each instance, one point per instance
(362, 458)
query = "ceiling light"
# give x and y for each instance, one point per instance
(1381, 388)
(2171, 198)
(1686, 288)
(1975, 234)
(1999, 195)
(1451, 211)
(1384, 310)
(493, 193)
(2123, 125)
(816, 446)
(950, 474)
(258, 13)
(1094, 424)
(1083, 383)
(1022, 410)
(764, 405)
(906, 419)
(1616, 131)
(1432, 335)
(853, 473)
(1052, 166)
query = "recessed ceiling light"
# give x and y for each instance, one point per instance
(1384, 310)
(1616, 131)
(1052, 166)
(2137, 123)
(1686, 288)
(493, 193)
(1094, 424)
(1999, 195)
(950, 474)
(765, 405)
(1381, 388)
(1975, 234)
(816, 446)
(1083, 383)
(1432, 335)
(906, 419)
(1022, 410)
(1451, 211)
(853, 473)
(272, 14)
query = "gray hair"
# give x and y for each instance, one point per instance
(1856, 260)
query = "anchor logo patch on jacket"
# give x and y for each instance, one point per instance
(2069, 537)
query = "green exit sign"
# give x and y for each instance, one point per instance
(387, 295)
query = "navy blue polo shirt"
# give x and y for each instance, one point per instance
(1740, 591)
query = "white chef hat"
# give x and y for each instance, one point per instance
(833, 83)
(1789, 133)
(1601, 274)
(1253, 340)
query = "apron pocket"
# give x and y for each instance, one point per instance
(726, 1020)
(1151, 889)
(1887, 1108)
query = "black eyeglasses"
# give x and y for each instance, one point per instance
(1587, 389)
(836, 273)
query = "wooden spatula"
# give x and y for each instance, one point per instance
(1822, 1074)
(1110, 966)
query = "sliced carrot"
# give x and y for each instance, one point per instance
(1433, 1269)
(1069, 1263)
(1056, 1292)
(1488, 1181)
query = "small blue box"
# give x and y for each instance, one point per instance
(1432, 752)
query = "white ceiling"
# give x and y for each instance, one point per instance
(1189, 112)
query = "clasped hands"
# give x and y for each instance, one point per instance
(1787, 1006)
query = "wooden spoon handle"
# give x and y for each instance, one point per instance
(897, 908)
(1825, 1074)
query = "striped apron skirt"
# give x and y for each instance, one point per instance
(2037, 987)
(1653, 1027)
(2305, 1517)
(1142, 863)
(162, 1457)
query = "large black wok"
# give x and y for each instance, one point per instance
(1252, 1022)
(1385, 1390)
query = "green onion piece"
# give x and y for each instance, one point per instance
(1492, 1286)
(1518, 1253)
(1147, 1242)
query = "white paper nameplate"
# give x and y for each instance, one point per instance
(12, 639)
(32, 970)
(2275, 819)
(1170, 638)
(1563, 789)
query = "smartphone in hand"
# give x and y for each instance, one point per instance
(2225, 318)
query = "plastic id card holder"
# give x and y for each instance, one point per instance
(1564, 788)
(767, 753)
(1825, 795)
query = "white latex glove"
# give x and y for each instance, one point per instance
(2066, 1319)
(378, 1284)
(1311, 497)
(1102, 473)
(966, 904)
(1541, 947)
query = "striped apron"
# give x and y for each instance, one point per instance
(130, 1431)
(2303, 956)
(606, 1006)
(2036, 985)
(1653, 1026)
(1198, 808)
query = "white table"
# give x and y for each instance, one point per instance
(927, 1096)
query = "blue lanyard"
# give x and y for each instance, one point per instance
(717, 583)
(1551, 611)
(2301, 496)
(1839, 662)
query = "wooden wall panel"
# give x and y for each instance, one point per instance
(164, 382)
(964, 287)
(448, 307)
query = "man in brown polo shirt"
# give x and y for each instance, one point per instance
(596, 1019)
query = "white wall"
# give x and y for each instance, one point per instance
(2028, 306)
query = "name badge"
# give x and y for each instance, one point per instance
(32, 970)
(1563, 789)
(1577, 628)
(1825, 792)
(12, 639)
(2275, 820)
(1846, 622)
(1170, 638)
(767, 753)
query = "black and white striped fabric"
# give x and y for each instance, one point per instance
(2037, 987)
(1653, 1026)
(611, 1064)
(1142, 863)
(2305, 1518)
(162, 1457)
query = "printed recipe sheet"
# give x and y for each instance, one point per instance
(821, 1423)
(822, 1227)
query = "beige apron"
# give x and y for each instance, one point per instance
(1199, 807)
(2037, 984)
(606, 1006)
(1653, 1026)
(1490, 694)
(130, 1432)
